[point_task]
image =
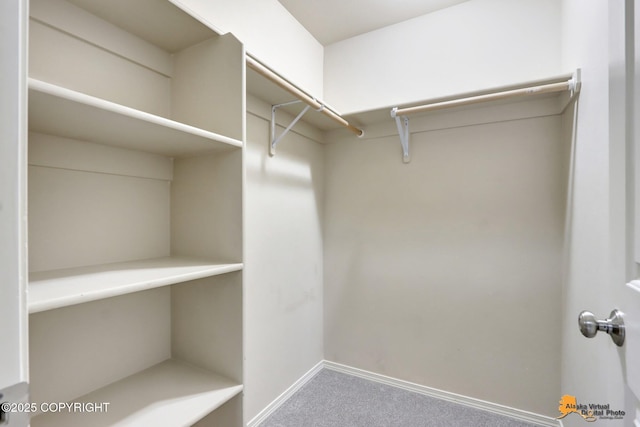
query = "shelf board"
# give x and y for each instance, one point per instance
(60, 288)
(169, 394)
(55, 110)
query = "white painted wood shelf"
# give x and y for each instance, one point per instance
(169, 394)
(60, 288)
(59, 111)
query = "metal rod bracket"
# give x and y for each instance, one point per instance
(275, 140)
(402, 122)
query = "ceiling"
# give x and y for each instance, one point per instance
(330, 21)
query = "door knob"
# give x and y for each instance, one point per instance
(614, 325)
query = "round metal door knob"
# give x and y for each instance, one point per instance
(614, 325)
(588, 324)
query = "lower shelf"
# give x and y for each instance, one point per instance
(169, 394)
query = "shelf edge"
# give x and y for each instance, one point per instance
(112, 107)
(69, 300)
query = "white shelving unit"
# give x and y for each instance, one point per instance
(136, 129)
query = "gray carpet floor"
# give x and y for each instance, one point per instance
(334, 399)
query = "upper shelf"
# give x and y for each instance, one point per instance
(162, 23)
(59, 111)
(60, 288)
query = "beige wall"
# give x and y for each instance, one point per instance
(446, 271)
(472, 46)
(283, 273)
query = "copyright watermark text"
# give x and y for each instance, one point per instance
(71, 407)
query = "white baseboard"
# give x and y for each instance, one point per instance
(270, 409)
(445, 395)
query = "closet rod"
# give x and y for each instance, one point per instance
(284, 84)
(569, 85)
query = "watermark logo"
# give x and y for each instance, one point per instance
(589, 412)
